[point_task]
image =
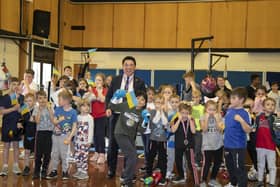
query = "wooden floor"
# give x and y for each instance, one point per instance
(97, 178)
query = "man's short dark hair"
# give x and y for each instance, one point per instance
(254, 77)
(240, 92)
(67, 67)
(129, 58)
(30, 71)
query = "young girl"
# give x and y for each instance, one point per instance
(10, 127)
(146, 135)
(83, 140)
(174, 102)
(275, 94)
(265, 142)
(184, 129)
(157, 144)
(98, 112)
(258, 102)
(167, 91)
(212, 142)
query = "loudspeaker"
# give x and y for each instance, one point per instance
(41, 23)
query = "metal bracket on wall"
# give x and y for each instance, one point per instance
(212, 64)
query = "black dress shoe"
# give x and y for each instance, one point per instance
(110, 174)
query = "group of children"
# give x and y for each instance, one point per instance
(197, 133)
(204, 135)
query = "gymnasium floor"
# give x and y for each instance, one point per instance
(97, 178)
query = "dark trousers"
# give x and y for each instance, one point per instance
(189, 152)
(129, 150)
(112, 155)
(208, 156)
(235, 159)
(251, 148)
(43, 149)
(197, 147)
(146, 140)
(99, 134)
(160, 149)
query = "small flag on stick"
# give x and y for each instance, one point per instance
(24, 109)
(14, 100)
(131, 99)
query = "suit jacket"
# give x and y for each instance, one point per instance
(138, 84)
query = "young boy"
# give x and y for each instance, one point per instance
(266, 142)
(29, 126)
(125, 132)
(10, 104)
(236, 126)
(190, 86)
(65, 122)
(197, 112)
(28, 85)
(157, 144)
(43, 116)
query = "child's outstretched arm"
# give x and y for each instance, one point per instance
(245, 126)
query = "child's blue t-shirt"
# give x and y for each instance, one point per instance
(234, 135)
(70, 117)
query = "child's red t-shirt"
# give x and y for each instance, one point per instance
(264, 139)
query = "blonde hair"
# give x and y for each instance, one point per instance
(175, 96)
(196, 93)
(184, 106)
(209, 103)
(83, 102)
(65, 94)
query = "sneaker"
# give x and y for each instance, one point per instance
(271, 185)
(133, 180)
(168, 175)
(229, 185)
(94, 158)
(126, 184)
(16, 169)
(4, 171)
(178, 180)
(101, 158)
(203, 184)
(65, 176)
(52, 175)
(26, 171)
(75, 175)
(162, 182)
(36, 175)
(252, 175)
(44, 174)
(214, 183)
(142, 170)
(82, 176)
(260, 184)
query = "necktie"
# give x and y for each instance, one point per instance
(126, 83)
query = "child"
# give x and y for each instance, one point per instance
(99, 114)
(236, 126)
(82, 88)
(167, 91)
(190, 86)
(125, 132)
(146, 135)
(174, 102)
(184, 129)
(212, 145)
(265, 142)
(157, 144)
(251, 141)
(197, 112)
(258, 102)
(29, 126)
(43, 116)
(83, 140)
(275, 94)
(10, 104)
(65, 126)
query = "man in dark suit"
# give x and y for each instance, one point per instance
(128, 82)
(255, 83)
